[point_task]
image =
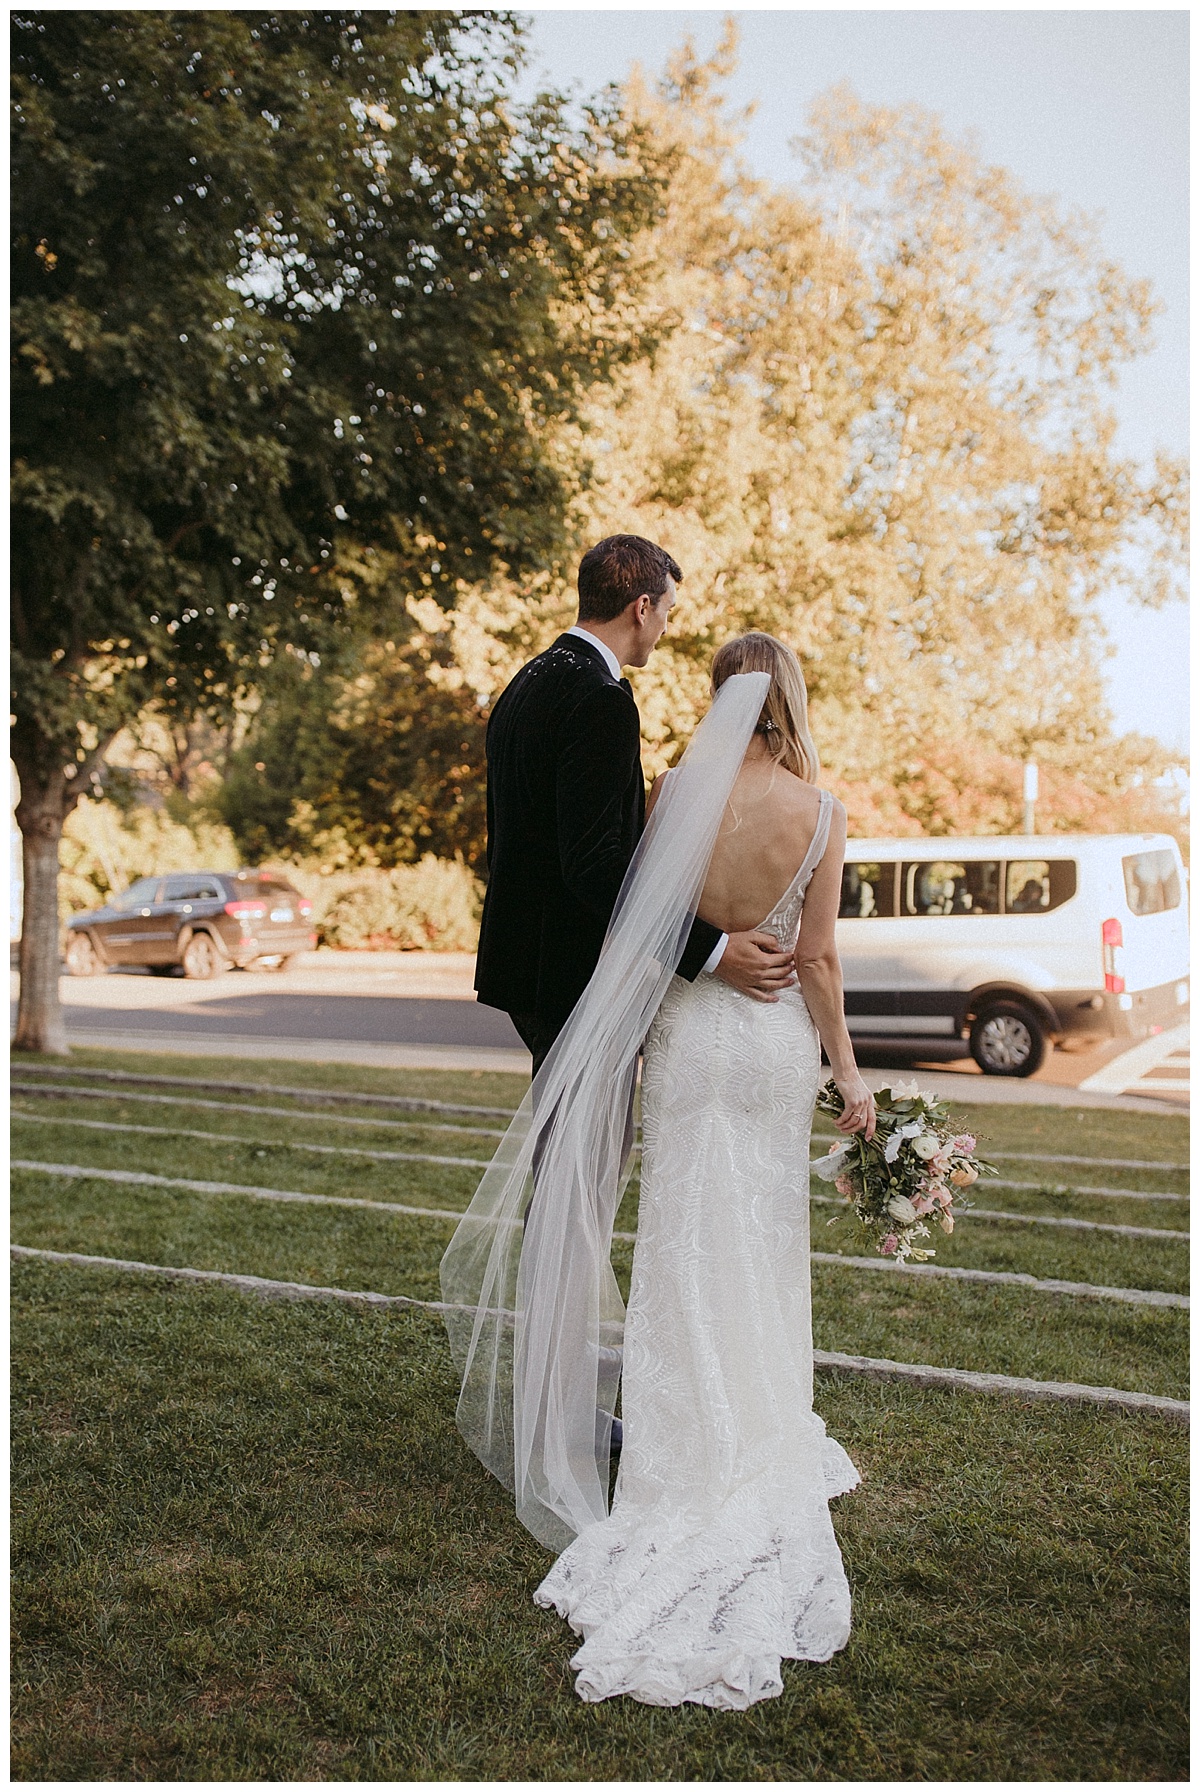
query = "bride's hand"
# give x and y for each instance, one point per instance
(858, 1115)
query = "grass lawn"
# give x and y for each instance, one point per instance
(250, 1543)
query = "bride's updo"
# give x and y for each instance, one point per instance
(784, 719)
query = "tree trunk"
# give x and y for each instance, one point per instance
(40, 815)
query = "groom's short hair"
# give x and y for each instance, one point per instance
(618, 570)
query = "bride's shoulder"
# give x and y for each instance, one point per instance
(836, 808)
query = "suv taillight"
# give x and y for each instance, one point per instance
(255, 910)
(1113, 946)
(304, 905)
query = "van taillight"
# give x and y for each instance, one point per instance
(249, 909)
(1112, 942)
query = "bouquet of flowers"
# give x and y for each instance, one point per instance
(914, 1169)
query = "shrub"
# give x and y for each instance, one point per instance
(104, 849)
(432, 905)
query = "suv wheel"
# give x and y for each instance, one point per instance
(201, 958)
(82, 958)
(1007, 1039)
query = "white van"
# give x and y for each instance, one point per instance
(1015, 942)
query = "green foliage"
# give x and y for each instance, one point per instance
(433, 905)
(881, 432)
(286, 286)
(103, 850)
(373, 760)
(299, 300)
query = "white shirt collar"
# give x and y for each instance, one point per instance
(610, 658)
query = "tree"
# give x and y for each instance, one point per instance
(874, 422)
(878, 429)
(290, 290)
(371, 762)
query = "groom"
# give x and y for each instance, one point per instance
(566, 804)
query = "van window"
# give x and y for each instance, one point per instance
(1151, 882)
(1035, 886)
(867, 890)
(941, 887)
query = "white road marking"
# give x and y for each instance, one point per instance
(1117, 1077)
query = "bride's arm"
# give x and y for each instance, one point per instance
(820, 972)
(655, 793)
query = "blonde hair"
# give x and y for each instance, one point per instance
(784, 719)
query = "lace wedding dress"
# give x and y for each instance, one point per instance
(718, 1558)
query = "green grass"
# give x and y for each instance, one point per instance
(1092, 1132)
(1006, 1330)
(276, 1159)
(250, 1545)
(485, 1088)
(966, 1326)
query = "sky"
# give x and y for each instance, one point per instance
(1089, 106)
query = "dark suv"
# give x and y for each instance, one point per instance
(202, 920)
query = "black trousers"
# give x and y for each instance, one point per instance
(538, 1036)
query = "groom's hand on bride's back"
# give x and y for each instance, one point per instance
(753, 963)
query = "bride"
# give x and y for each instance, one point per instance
(718, 1559)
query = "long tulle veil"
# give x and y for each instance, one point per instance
(533, 1311)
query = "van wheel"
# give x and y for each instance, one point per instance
(82, 958)
(1007, 1039)
(201, 958)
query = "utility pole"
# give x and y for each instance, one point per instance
(1031, 795)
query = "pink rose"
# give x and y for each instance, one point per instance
(965, 1142)
(888, 1247)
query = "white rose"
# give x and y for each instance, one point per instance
(926, 1146)
(902, 1209)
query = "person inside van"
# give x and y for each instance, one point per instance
(1031, 898)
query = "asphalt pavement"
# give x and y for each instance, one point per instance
(406, 1010)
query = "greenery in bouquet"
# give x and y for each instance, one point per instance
(915, 1169)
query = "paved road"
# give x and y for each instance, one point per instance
(402, 1010)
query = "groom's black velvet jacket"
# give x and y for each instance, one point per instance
(565, 808)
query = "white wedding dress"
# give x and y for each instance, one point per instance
(718, 1559)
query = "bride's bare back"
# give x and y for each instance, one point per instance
(766, 830)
